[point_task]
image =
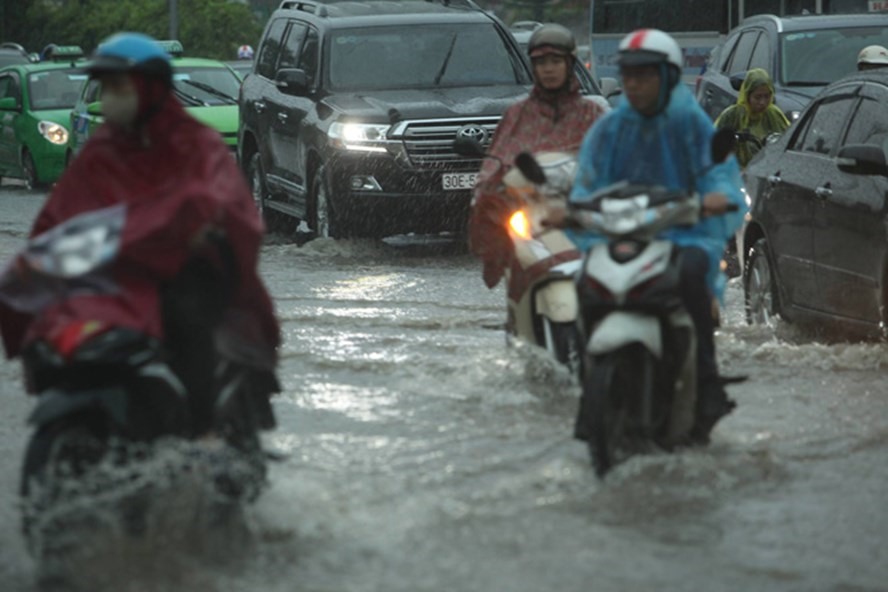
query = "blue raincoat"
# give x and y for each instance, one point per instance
(671, 149)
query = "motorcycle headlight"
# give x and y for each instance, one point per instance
(358, 136)
(53, 132)
(793, 115)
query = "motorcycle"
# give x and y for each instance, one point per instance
(639, 383)
(106, 394)
(541, 300)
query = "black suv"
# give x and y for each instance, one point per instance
(350, 113)
(803, 54)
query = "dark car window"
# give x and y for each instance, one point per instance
(271, 48)
(823, 130)
(428, 56)
(292, 46)
(55, 89)
(761, 55)
(870, 122)
(724, 54)
(740, 60)
(92, 93)
(308, 59)
(823, 56)
(9, 88)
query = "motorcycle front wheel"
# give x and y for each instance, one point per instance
(614, 387)
(57, 454)
(565, 344)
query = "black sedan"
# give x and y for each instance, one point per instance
(816, 246)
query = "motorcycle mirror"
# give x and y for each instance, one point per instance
(468, 147)
(530, 168)
(723, 144)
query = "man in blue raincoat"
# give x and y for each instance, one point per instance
(659, 135)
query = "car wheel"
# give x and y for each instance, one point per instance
(30, 170)
(321, 216)
(256, 176)
(760, 287)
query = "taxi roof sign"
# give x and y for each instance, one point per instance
(66, 52)
(173, 47)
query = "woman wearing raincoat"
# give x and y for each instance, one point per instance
(755, 114)
(659, 135)
(554, 117)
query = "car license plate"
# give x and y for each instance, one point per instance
(458, 181)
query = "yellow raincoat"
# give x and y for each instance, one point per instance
(739, 117)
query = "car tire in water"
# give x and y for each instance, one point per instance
(273, 220)
(760, 286)
(321, 217)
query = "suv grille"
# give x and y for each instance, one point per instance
(429, 144)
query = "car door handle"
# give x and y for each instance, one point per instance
(775, 179)
(259, 106)
(283, 117)
(824, 191)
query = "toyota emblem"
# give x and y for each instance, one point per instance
(472, 132)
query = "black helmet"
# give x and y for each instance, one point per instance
(552, 39)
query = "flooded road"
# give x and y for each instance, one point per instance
(424, 455)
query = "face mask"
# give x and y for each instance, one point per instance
(120, 109)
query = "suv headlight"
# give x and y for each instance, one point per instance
(365, 137)
(53, 132)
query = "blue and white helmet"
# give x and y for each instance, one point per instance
(131, 52)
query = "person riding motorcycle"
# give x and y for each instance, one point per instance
(754, 114)
(187, 273)
(659, 135)
(554, 117)
(872, 57)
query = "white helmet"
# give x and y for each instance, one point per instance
(873, 54)
(646, 47)
(245, 52)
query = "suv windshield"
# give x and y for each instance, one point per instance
(425, 56)
(817, 58)
(55, 89)
(202, 86)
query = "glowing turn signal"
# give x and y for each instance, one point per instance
(520, 225)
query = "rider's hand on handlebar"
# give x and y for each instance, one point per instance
(715, 204)
(555, 216)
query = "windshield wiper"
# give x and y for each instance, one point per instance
(446, 61)
(210, 90)
(806, 83)
(191, 99)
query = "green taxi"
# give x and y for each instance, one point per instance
(35, 107)
(207, 88)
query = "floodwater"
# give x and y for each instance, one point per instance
(422, 454)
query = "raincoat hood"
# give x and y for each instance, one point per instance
(773, 117)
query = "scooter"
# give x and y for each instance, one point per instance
(541, 300)
(639, 382)
(105, 394)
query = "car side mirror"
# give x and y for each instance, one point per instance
(9, 104)
(292, 81)
(94, 109)
(862, 159)
(609, 86)
(737, 80)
